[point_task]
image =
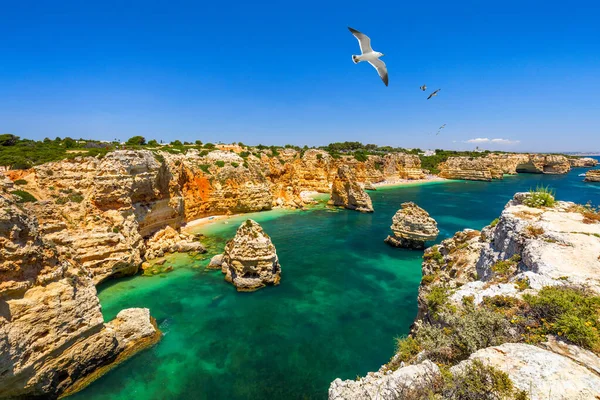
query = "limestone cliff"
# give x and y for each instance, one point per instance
(592, 175)
(52, 335)
(584, 162)
(493, 166)
(250, 261)
(412, 227)
(487, 276)
(347, 193)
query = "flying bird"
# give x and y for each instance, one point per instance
(423, 88)
(433, 94)
(372, 57)
(440, 129)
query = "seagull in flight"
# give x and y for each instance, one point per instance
(372, 57)
(433, 94)
(440, 129)
(423, 88)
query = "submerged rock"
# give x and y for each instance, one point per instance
(250, 261)
(347, 193)
(412, 227)
(216, 262)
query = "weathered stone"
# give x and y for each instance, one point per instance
(583, 162)
(412, 227)
(216, 262)
(538, 372)
(592, 176)
(347, 193)
(386, 385)
(250, 261)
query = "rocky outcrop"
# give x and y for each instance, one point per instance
(583, 162)
(52, 334)
(592, 176)
(250, 261)
(168, 240)
(412, 227)
(524, 251)
(347, 193)
(386, 384)
(494, 166)
(540, 373)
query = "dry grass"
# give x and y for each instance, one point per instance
(534, 231)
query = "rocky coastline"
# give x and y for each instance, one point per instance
(69, 225)
(484, 306)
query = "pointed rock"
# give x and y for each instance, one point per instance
(412, 227)
(250, 261)
(347, 193)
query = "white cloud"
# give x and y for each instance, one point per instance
(496, 141)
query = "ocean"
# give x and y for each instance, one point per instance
(344, 296)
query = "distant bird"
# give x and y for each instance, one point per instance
(433, 94)
(372, 57)
(423, 88)
(440, 129)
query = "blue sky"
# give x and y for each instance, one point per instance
(527, 72)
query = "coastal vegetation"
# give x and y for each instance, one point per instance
(540, 197)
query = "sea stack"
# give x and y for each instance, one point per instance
(592, 175)
(250, 261)
(412, 227)
(347, 193)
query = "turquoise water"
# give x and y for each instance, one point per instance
(344, 296)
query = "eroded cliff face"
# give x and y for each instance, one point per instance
(525, 251)
(584, 162)
(493, 166)
(592, 176)
(347, 193)
(52, 334)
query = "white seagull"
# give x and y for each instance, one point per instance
(372, 57)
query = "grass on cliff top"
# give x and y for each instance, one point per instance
(540, 197)
(451, 334)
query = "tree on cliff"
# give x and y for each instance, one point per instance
(136, 141)
(8, 140)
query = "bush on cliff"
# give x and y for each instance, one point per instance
(540, 197)
(569, 312)
(24, 197)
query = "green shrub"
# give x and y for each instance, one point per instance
(235, 165)
(540, 197)
(136, 141)
(203, 153)
(209, 146)
(24, 197)
(319, 156)
(494, 222)
(436, 299)
(76, 197)
(427, 279)
(360, 156)
(220, 163)
(115, 229)
(479, 381)
(20, 182)
(244, 154)
(406, 349)
(569, 312)
(62, 200)
(434, 254)
(463, 333)
(204, 168)
(245, 164)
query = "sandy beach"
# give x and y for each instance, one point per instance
(400, 182)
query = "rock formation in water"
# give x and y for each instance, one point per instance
(524, 252)
(347, 193)
(168, 240)
(584, 162)
(412, 227)
(250, 261)
(52, 334)
(494, 166)
(592, 175)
